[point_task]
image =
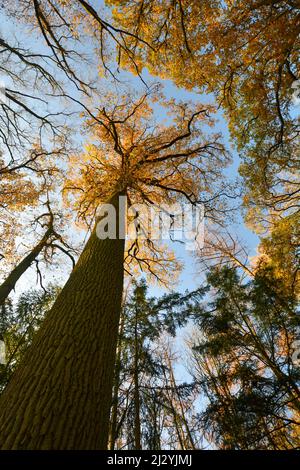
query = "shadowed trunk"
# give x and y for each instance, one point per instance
(60, 395)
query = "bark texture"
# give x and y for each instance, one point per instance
(60, 396)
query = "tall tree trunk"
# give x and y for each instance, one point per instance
(9, 284)
(60, 396)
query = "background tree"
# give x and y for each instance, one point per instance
(19, 322)
(48, 245)
(243, 362)
(149, 407)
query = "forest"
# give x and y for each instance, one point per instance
(114, 336)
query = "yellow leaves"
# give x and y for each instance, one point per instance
(16, 192)
(244, 52)
(278, 252)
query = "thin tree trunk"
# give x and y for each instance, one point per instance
(178, 427)
(116, 386)
(188, 435)
(137, 420)
(60, 396)
(156, 433)
(9, 284)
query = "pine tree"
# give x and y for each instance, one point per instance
(243, 361)
(147, 403)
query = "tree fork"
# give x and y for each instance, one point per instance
(60, 395)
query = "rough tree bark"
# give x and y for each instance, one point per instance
(60, 395)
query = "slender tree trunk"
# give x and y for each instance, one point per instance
(188, 435)
(171, 407)
(60, 396)
(9, 284)
(156, 432)
(116, 386)
(137, 419)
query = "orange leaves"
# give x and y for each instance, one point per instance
(153, 162)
